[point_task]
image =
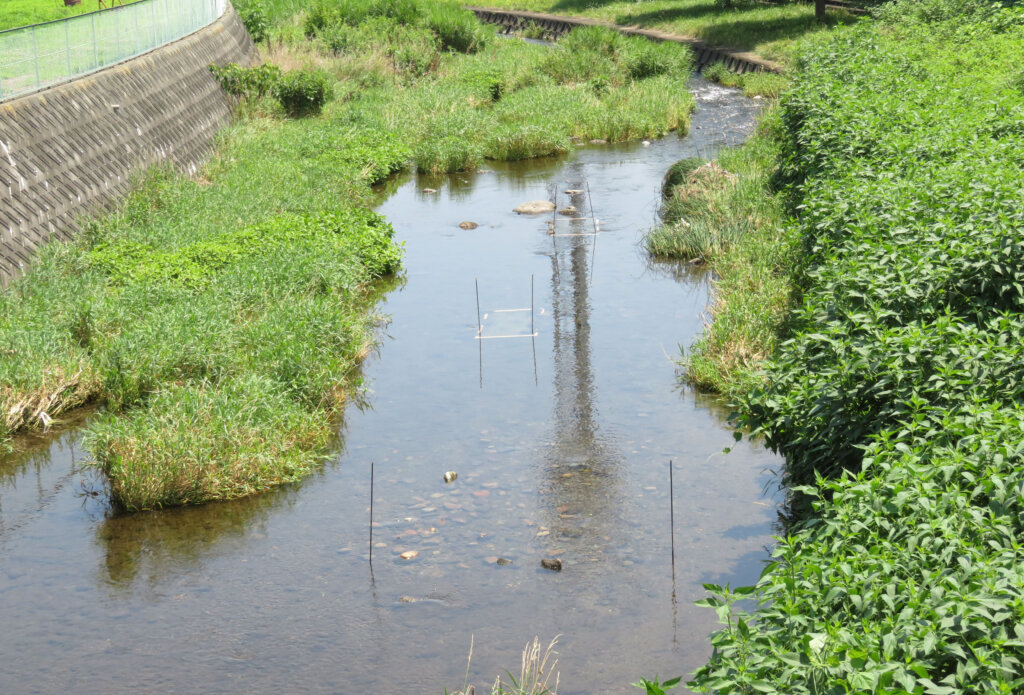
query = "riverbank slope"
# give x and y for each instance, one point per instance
(894, 164)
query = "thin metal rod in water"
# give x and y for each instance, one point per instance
(532, 332)
(672, 518)
(593, 214)
(593, 217)
(371, 518)
(479, 323)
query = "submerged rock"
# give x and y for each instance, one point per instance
(568, 210)
(534, 207)
(551, 563)
(468, 225)
(450, 476)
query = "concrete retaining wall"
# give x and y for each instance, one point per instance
(70, 150)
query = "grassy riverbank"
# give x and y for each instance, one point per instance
(220, 320)
(771, 31)
(896, 394)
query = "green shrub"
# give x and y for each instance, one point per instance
(252, 82)
(303, 92)
(319, 16)
(254, 16)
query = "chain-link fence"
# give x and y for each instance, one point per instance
(38, 55)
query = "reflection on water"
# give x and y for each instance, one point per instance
(561, 444)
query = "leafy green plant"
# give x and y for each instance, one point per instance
(656, 688)
(303, 92)
(254, 81)
(253, 14)
(896, 396)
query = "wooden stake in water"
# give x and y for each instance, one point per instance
(672, 518)
(371, 517)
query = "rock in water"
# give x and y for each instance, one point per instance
(535, 207)
(468, 225)
(412, 554)
(450, 476)
(551, 563)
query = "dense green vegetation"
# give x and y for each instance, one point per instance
(220, 320)
(896, 395)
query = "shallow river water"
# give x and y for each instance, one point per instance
(561, 443)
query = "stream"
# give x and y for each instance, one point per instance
(561, 442)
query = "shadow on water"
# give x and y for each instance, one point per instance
(560, 441)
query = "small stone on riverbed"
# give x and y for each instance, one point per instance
(468, 225)
(534, 207)
(568, 210)
(409, 555)
(450, 476)
(430, 190)
(551, 563)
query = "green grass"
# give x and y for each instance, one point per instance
(220, 320)
(753, 84)
(896, 396)
(19, 13)
(724, 214)
(771, 31)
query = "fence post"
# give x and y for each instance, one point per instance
(35, 54)
(117, 31)
(67, 46)
(95, 48)
(152, 20)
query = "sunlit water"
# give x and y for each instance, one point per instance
(561, 444)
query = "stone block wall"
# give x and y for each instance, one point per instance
(71, 150)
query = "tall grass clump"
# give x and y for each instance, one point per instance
(535, 674)
(724, 214)
(896, 398)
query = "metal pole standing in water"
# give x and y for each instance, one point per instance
(672, 518)
(479, 323)
(371, 517)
